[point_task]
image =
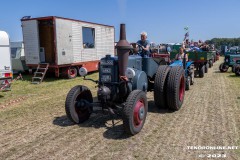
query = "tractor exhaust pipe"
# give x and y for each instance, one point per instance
(123, 49)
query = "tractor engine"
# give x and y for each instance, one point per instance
(120, 75)
(108, 79)
(112, 88)
(113, 84)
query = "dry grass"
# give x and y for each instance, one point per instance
(36, 127)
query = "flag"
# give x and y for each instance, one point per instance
(186, 35)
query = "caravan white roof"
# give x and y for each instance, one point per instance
(4, 38)
(16, 44)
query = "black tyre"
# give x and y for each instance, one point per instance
(223, 67)
(160, 86)
(175, 88)
(210, 64)
(192, 76)
(72, 73)
(237, 70)
(188, 81)
(135, 112)
(206, 68)
(234, 68)
(76, 104)
(201, 71)
(220, 67)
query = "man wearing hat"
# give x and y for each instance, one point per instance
(144, 45)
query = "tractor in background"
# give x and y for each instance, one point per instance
(229, 61)
(122, 87)
(236, 67)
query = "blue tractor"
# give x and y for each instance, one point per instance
(122, 87)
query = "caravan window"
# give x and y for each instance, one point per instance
(88, 37)
(13, 52)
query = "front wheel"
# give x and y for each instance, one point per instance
(135, 112)
(234, 68)
(237, 70)
(77, 104)
(223, 67)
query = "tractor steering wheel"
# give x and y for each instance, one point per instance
(140, 46)
(142, 52)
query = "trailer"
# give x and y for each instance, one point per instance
(5, 62)
(18, 57)
(65, 45)
(202, 60)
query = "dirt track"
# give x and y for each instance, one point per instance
(210, 116)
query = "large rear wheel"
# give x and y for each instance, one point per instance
(135, 112)
(160, 84)
(206, 67)
(201, 71)
(175, 88)
(77, 104)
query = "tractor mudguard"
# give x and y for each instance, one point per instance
(179, 63)
(189, 64)
(176, 63)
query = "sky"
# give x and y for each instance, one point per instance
(163, 20)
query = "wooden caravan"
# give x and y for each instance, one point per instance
(65, 44)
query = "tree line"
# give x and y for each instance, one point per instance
(218, 42)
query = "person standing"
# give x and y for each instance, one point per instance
(144, 45)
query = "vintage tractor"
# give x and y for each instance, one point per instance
(229, 61)
(122, 86)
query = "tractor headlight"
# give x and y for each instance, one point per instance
(83, 71)
(130, 73)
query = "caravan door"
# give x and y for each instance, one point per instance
(31, 41)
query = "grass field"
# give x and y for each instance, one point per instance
(34, 123)
(235, 83)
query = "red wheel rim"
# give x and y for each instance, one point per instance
(139, 113)
(181, 89)
(72, 72)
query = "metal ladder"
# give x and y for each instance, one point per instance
(40, 73)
